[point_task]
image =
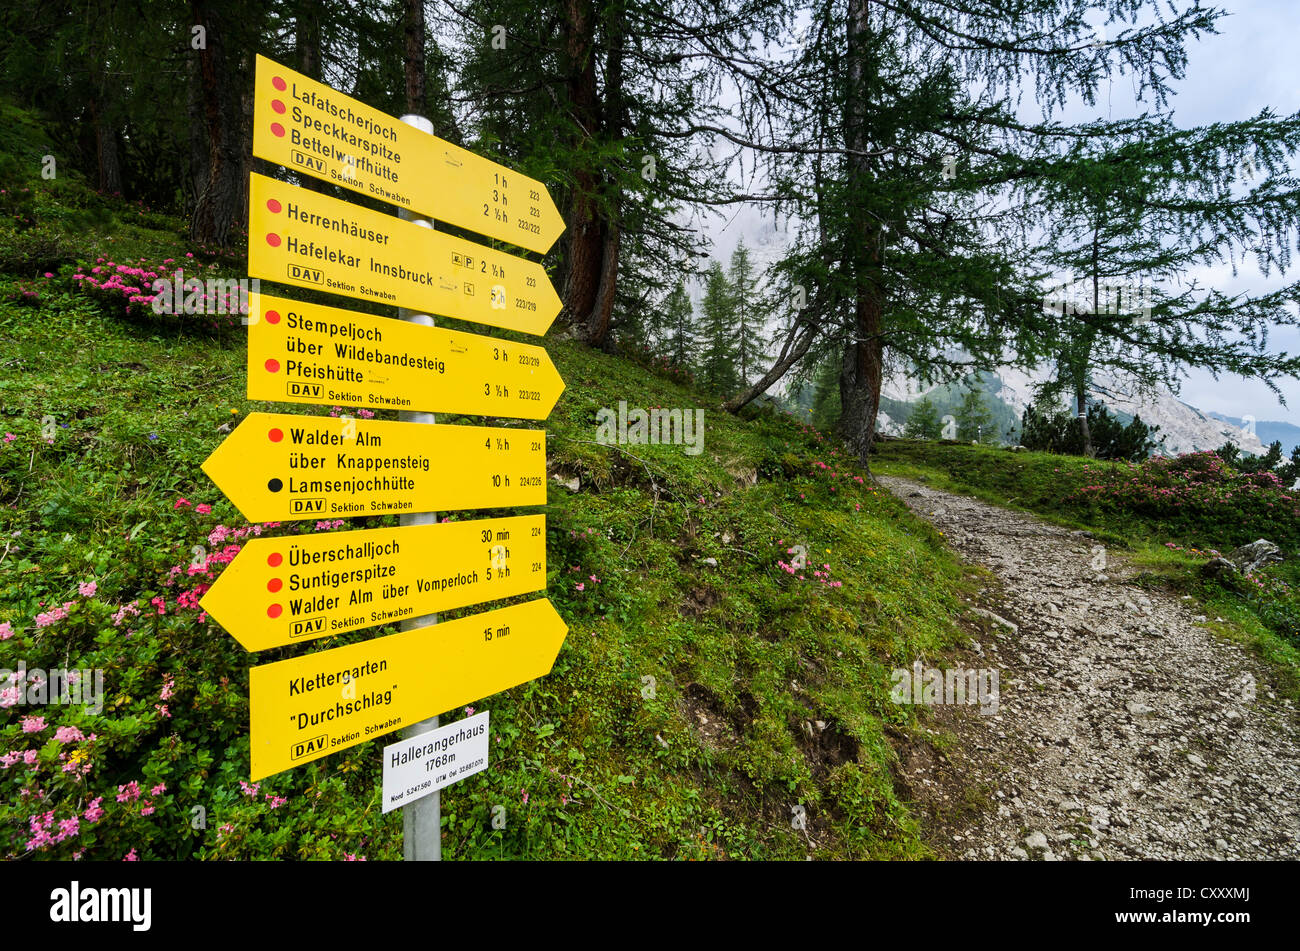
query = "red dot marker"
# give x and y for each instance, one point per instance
(278, 83)
(275, 435)
(278, 106)
(272, 316)
(275, 560)
(273, 239)
(272, 366)
(273, 206)
(274, 611)
(274, 585)
(277, 130)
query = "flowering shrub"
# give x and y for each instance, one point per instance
(23, 292)
(17, 206)
(128, 288)
(151, 763)
(579, 586)
(32, 249)
(1197, 494)
(1276, 602)
(806, 572)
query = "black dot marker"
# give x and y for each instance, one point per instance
(275, 485)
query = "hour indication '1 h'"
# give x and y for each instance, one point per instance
(308, 127)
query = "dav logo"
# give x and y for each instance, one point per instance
(307, 506)
(306, 161)
(305, 389)
(308, 747)
(311, 275)
(308, 625)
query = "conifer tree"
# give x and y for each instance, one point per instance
(923, 422)
(825, 410)
(747, 301)
(680, 335)
(1129, 214)
(974, 419)
(618, 101)
(718, 336)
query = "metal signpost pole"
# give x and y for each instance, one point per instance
(421, 819)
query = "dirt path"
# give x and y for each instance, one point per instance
(1125, 729)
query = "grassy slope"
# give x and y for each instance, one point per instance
(743, 656)
(1040, 482)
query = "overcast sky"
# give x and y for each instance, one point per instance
(1252, 63)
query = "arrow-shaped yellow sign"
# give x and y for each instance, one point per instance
(307, 353)
(307, 707)
(303, 238)
(287, 590)
(308, 127)
(280, 467)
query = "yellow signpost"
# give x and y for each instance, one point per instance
(303, 238)
(307, 707)
(308, 353)
(280, 467)
(308, 127)
(288, 590)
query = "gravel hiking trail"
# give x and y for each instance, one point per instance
(1125, 728)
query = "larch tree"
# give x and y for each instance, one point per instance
(898, 153)
(1128, 221)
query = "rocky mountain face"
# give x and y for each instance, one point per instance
(1183, 428)
(1268, 430)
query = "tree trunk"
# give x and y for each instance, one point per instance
(600, 319)
(598, 324)
(861, 375)
(798, 341)
(108, 164)
(585, 233)
(862, 370)
(1085, 348)
(198, 170)
(413, 63)
(594, 234)
(247, 102)
(307, 37)
(1081, 407)
(107, 158)
(217, 207)
(307, 43)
